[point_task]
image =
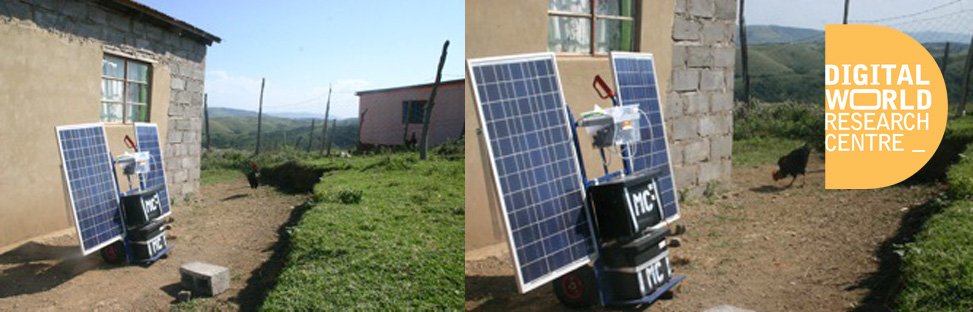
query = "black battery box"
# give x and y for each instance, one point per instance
(141, 206)
(636, 269)
(150, 247)
(146, 232)
(625, 206)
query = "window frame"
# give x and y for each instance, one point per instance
(125, 81)
(407, 117)
(593, 17)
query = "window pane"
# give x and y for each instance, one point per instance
(614, 7)
(111, 112)
(138, 72)
(569, 34)
(576, 6)
(137, 113)
(614, 35)
(137, 93)
(111, 90)
(113, 67)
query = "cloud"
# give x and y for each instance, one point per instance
(226, 89)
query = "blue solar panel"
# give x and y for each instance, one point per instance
(91, 185)
(536, 171)
(635, 81)
(147, 140)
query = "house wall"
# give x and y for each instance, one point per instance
(503, 27)
(383, 121)
(50, 75)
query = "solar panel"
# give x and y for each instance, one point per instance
(91, 185)
(635, 81)
(535, 168)
(147, 140)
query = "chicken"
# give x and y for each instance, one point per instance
(253, 176)
(793, 164)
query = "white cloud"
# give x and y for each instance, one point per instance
(231, 90)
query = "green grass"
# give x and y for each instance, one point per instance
(761, 151)
(217, 175)
(386, 234)
(937, 269)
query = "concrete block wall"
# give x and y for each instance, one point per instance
(699, 107)
(181, 55)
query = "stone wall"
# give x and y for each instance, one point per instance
(144, 38)
(699, 110)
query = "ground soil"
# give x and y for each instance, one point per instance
(758, 246)
(227, 224)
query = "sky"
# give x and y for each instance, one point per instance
(942, 15)
(301, 47)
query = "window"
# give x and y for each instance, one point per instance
(124, 90)
(591, 26)
(412, 111)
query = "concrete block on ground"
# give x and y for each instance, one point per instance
(204, 279)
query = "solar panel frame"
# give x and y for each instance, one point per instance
(66, 171)
(670, 200)
(524, 286)
(166, 208)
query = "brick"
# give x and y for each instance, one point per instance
(675, 153)
(696, 103)
(683, 29)
(204, 279)
(712, 125)
(725, 9)
(700, 56)
(701, 8)
(673, 106)
(685, 128)
(709, 171)
(721, 102)
(685, 176)
(724, 56)
(685, 80)
(712, 80)
(679, 55)
(178, 84)
(721, 147)
(680, 6)
(696, 151)
(713, 32)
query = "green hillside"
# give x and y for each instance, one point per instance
(795, 71)
(238, 129)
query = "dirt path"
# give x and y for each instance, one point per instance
(757, 247)
(228, 224)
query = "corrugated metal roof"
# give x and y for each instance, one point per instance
(425, 85)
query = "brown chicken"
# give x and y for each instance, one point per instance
(793, 164)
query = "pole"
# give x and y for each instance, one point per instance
(334, 124)
(845, 19)
(424, 144)
(406, 122)
(327, 112)
(260, 114)
(310, 136)
(361, 121)
(945, 61)
(961, 107)
(744, 59)
(206, 117)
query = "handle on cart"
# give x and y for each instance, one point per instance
(600, 86)
(130, 143)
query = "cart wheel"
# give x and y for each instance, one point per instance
(577, 289)
(114, 253)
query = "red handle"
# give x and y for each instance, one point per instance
(130, 143)
(600, 86)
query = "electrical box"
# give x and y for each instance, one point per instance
(626, 205)
(148, 241)
(141, 206)
(636, 269)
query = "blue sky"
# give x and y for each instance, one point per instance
(302, 46)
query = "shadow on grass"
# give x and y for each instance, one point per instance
(264, 278)
(884, 285)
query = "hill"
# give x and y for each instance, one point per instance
(764, 34)
(234, 128)
(795, 71)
